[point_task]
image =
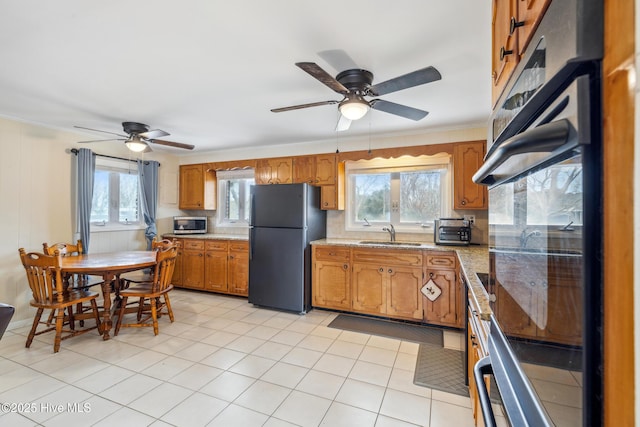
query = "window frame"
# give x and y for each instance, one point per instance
(223, 178)
(120, 167)
(397, 166)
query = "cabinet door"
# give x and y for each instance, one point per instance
(326, 169)
(238, 268)
(177, 270)
(529, 14)
(263, 172)
(215, 271)
(191, 187)
(504, 45)
(193, 269)
(467, 159)
(328, 197)
(447, 309)
(515, 311)
(332, 285)
(473, 355)
(197, 187)
(369, 288)
(304, 169)
(404, 298)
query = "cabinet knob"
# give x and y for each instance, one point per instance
(381, 270)
(504, 52)
(230, 256)
(390, 271)
(463, 202)
(513, 24)
(345, 266)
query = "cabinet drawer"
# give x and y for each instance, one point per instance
(193, 244)
(388, 257)
(441, 260)
(239, 246)
(332, 253)
(216, 245)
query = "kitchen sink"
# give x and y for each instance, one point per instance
(386, 242)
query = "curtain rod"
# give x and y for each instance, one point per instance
(75, 151)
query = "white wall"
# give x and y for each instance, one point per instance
(36, 192)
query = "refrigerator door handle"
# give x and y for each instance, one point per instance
(252, 231)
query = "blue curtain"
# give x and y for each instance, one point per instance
(86, 170)
(148, 174)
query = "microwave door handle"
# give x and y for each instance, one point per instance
(483, 367)
(542, 139)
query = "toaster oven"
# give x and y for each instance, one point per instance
(452, 231)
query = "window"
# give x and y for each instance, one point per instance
(233, 197)
(409, 192)
(116, 194)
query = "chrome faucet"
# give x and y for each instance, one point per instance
(392, 232)
(525, 236)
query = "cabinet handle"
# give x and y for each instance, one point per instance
(431, 275)
(381, 270)
(390, 271)
(463, 202)
(345, 267)
(504, 52)
(200, 255)
(230, 256)
(514, 24)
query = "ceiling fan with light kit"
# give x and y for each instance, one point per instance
(138, 136)
(354, 84)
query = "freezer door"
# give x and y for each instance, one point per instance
(282, 205)
(277, 276)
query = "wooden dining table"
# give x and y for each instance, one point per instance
(108, 265)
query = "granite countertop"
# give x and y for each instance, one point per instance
(473, 259)
(207, 236)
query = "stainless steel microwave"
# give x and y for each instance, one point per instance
(189, 224)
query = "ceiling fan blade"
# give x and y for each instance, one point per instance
(103, 131)
(416, 78)
(398, 109)
(321, 75)
(297, 107)
(343, 124)
(338, 59)
(152, 134)
(172, 144)
(101, 140)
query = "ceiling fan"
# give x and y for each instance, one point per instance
(138, 136)
(354, 84)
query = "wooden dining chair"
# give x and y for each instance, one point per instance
(153, 296)
(78, 281)
(44, 274)
(123, 281)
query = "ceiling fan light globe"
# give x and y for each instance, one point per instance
(136, 145)
(354, 109)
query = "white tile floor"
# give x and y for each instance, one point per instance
(222, 362)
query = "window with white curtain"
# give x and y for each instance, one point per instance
(233, 197)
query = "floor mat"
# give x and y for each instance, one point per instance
(441, 369)
(388, 328)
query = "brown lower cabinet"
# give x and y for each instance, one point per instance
(383, 282)
(213, 265)
(477, 333)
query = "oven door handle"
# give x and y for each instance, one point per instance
(542, 139)
(483, 367)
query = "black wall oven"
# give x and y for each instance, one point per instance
(543, 169)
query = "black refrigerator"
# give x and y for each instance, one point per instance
(285, 218)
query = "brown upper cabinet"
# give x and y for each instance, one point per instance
(513, 24)
(467, 159)
(322, 170)
(278, 170)
(197, 187)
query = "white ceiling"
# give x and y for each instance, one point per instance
(208, 72)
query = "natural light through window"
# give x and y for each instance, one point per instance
(233, 197)
(116, 195)
(409, 192)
